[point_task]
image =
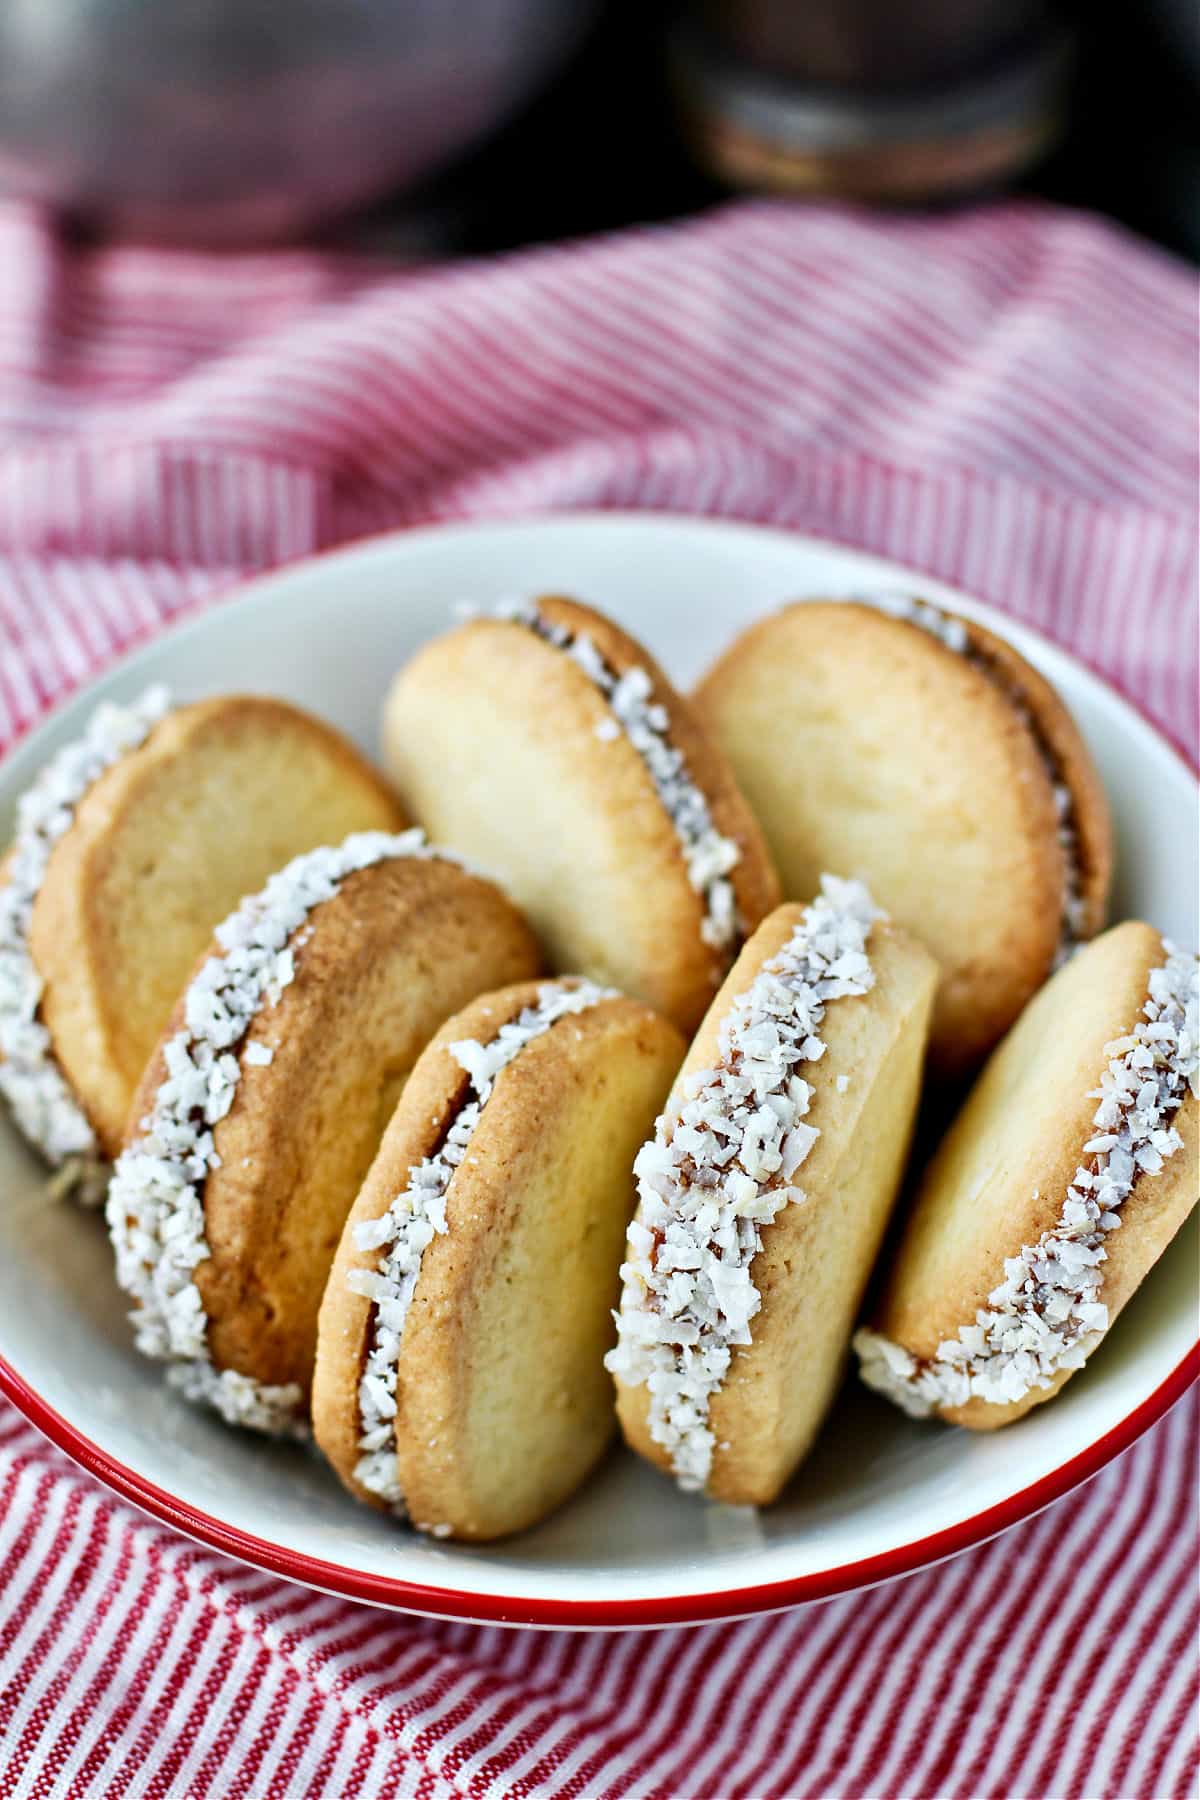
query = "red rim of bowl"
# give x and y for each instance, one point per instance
(689, 1609)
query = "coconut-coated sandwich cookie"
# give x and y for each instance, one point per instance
(547, 744)
(132, 844)
(764, 1194)
(460, 1364)
(263, 1105)
(917, 750)
(1069, 1170)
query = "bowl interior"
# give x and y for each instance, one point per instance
(329, 634)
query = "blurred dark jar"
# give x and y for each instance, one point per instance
(871, 99)
(233, 120)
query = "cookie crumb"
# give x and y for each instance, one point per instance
(83, 1179)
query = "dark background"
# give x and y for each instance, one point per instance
(600, 149)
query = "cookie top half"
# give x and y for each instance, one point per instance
(549, 746)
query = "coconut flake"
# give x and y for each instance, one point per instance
(155, 1207)
(418, 1214)
(240, 1400)
(720, 1168)
(44, 1105)
(951, 631)
(710, 857)
(1047, 1314)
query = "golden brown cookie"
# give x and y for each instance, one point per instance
(1064, 1178)
(132, 844)
(921, 753)
(548, 745)
(765, 1193)
(260, 1111)
(460, 1364)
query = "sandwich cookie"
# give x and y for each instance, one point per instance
(130, 846)
(1060, 1184)
(263, 1105)
(742, 1285)
(460, 1363)
(919, 751)
(547, 743)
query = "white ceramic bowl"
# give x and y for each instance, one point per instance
(881, 1495)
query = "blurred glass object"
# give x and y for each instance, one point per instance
(225, 121)
(1179, 23)
(877, 100)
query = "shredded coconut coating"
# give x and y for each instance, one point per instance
(43, 1102)
(721, 1166)
(709, 856)
(155, 1207)
(1047, 1314)
(953, 633)
(415, 1216)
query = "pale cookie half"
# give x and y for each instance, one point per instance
(918, 751)
(548, 745)
(460, 1369)
(1064, 1178)
(132, 844)
(262, 1107)
(765, 1193)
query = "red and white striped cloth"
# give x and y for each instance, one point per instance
(1006, 399)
